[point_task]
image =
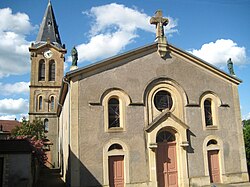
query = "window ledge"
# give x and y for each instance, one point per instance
(212, 127)
(115, 129)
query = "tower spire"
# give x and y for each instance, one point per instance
(49, 29)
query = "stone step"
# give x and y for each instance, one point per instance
(245, 184)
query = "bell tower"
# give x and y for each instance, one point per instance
(47, 70)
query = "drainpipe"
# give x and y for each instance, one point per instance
(66, 81)
(60, 136)
(68, 178)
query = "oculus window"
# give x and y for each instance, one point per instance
(163, 100)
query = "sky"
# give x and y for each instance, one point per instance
(213, 30)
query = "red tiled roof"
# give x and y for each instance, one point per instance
(8, 125)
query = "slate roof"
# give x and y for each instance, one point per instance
(8, 125)
(15, 146)
(48, 28)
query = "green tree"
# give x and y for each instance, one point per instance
(34, 133)
(246, 131)
(30, 129)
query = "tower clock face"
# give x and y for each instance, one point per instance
(48, 54)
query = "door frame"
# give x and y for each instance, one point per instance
(210, 165)
(117, 152)
(112, 158)
(219, 147)
(167, 144)
(180, 133)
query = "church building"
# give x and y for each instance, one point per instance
(153, 116)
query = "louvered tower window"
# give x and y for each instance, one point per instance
(52, 103)
(40, 103)
(41, 71)
(52, 68)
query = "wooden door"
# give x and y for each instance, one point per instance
(116, 171)
(167, 173)
(214, 166)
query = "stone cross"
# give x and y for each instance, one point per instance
(159, 22)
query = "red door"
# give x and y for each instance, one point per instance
(167, 174)
(116, 171)
(214, 166)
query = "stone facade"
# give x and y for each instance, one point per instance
(135, 78)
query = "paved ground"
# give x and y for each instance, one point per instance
(50, 178)
(231, 185)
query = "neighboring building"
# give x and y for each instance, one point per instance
(16, 167)
(47, 70)
(154, 116)
(6, 127)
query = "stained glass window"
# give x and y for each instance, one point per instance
(208, 112)
(163, 100)
(114, 113)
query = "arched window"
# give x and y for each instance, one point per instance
(52, 103)
(208, 112)
(165, 136)
(211, 142)
(41, 71)
(52, 68)
(40, 103)
(46, 125)
(115, 146)
(113, 113)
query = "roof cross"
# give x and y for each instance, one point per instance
(159, 21)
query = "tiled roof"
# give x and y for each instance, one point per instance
(49, 28)
(8, 125)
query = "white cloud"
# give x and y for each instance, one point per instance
(247, 116)
(114, 26)
(16, 88)
(14, 54)
(8, 117)
(220, 51)
(13, 107)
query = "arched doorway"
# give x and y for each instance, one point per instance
(166, 160)
(116, 167)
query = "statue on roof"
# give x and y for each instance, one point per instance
(74, 55)
(230, 66)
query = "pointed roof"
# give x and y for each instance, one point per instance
(49, 29)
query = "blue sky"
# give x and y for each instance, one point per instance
(213, 30)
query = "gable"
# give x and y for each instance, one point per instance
(135, 70)
(127, 57)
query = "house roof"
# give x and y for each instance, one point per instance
(8, 125)
(15, 146)
(136, 53)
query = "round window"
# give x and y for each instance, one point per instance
(163, 100)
